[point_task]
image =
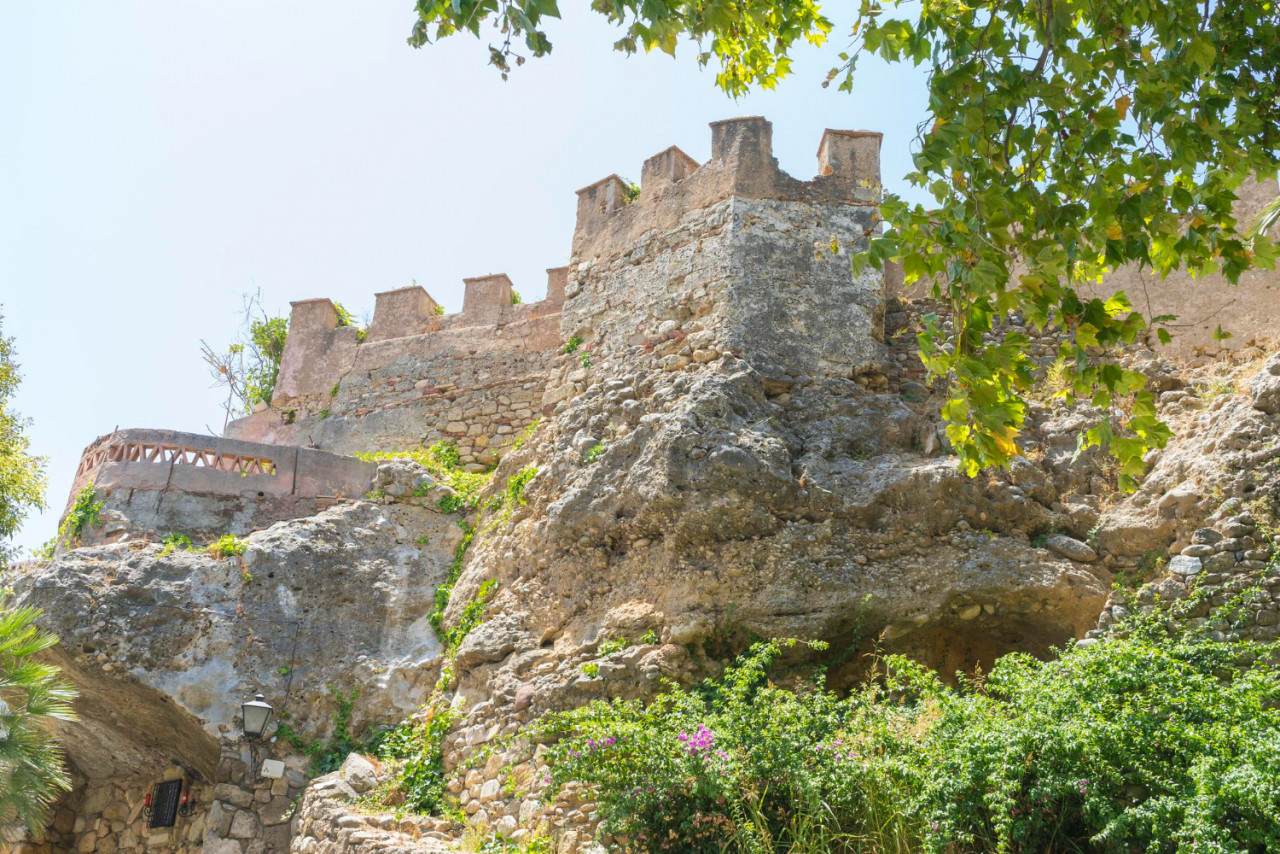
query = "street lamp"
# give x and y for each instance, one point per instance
(254, 716)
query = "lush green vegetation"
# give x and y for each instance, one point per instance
(1148, 742)
(445, 590)
(1059, 140)
(22, 474)
(417, 745)
(32, 697)
(82, 516)
(443, 461)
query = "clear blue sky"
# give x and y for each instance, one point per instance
(161, 159)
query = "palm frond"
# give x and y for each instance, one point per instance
(1266, 220)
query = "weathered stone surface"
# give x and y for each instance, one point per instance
(346, 589)
(491, 641)
(1069, 547)
(1265, 388)
(359, 772)
(1185, 565)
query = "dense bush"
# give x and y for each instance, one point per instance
(1148, 742)
(741, 764)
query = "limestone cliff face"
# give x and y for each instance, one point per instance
(165, 646)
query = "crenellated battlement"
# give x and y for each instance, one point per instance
(731, 241)
(742, 165)
(487, 301)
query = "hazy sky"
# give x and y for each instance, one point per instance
(161, 159)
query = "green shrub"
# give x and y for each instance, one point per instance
(328, 755)
(443, 461)
(227, 546)
(418, 746)
(444, 454)
(734, 764)
(1147, 742)
(83, 515)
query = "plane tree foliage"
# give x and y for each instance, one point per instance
(1060, 139)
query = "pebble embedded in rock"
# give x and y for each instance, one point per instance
(1071, 548)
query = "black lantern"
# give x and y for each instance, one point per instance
(254, 716)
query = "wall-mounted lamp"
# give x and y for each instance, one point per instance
(254, 716)
(253, 721)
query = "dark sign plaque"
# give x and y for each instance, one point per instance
(164, 805)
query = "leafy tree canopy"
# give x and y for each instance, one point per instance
(1063, 139)
(22, 475)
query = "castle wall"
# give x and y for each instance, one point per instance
(1246, 309)
(742, 262)
(161, 481)
(475, 378)
(734, 254)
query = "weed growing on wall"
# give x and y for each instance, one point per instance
(175, 542)
(526, 434)
(227, 546)
(472, 615)
(444, 591)
(1148, 742)
(417, 745)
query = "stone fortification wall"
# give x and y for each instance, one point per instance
(732, 256)
(159, 481)
(474, 378)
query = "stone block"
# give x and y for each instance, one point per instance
(222, 846)
(233, 795)
(852, 155)
(666, 166)
(1184, 565)
(748, 138)
(485, 298)
(402, 312)
(244, 826)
